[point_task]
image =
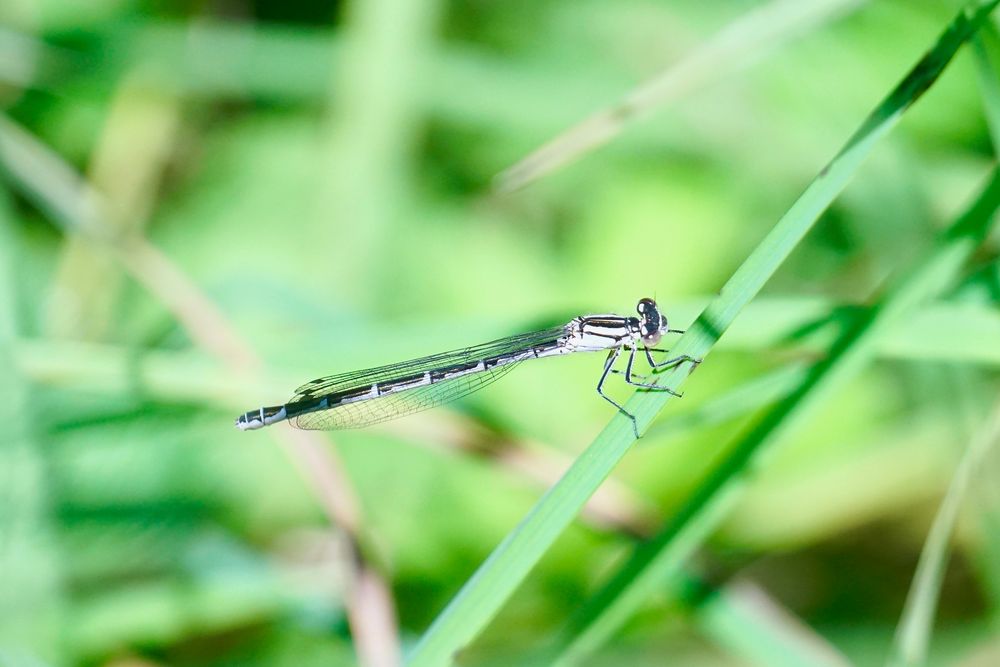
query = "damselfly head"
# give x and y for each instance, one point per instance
(653, 324)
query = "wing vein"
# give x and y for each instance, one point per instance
(364, 397)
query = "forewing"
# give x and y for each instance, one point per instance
(392, 405)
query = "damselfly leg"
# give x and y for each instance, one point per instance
(669, 363)
(609, 362)
(665, 365)
(630, 377)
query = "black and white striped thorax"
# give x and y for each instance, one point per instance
(361, 398)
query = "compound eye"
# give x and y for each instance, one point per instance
(650, 334)
(645, 305)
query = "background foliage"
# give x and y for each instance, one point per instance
(204, 205)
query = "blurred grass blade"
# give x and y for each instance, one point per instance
(30, 600)
(375, 120)
(916, 624)
(499, 576)
(19, 57)
(987, 48)
(78, 209)
(745, 620)
(741, 42)
(135, 145)
(666, 552)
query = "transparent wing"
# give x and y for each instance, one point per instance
(392, 405)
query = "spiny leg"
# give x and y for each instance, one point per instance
(654, 387)
(612, 357)
(669, 363)
(629, 375)
(628, 368)
(635, 375)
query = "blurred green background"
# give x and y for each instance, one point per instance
(205, 204)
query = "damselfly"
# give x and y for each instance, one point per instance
(361, 398)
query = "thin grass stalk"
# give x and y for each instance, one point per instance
(916, 625)
(745, 40)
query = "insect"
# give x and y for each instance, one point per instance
(365, 397)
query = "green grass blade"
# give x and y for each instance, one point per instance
(666, 552)
(916, 624)
(987, 48)
(499, 576)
